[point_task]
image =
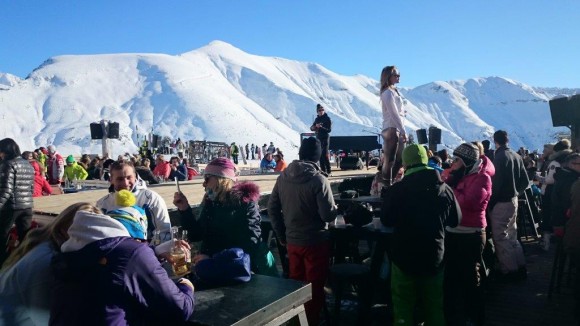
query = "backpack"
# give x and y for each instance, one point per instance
(229, 266)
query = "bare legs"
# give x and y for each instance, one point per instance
(392, 149)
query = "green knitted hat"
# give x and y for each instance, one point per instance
(414, 155)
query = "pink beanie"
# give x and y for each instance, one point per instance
(222, 167)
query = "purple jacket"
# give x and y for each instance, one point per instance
(114, 281)
(473, 192)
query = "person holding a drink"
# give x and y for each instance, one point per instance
(229, 217)
(108, 274)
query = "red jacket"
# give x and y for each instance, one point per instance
(41, 186)
(473, 192)
(162, 169)
(191, 172)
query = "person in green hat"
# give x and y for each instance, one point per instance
(418, 208)
(74, 171)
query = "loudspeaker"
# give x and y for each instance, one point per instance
(154, 141)
(434, 135)
(96, 131)
(565, 111)
(351, 163)
(113, 130)
(422, 136)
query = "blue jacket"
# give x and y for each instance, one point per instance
(267, 165)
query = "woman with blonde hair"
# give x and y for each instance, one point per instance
(26, 277)
(394, 135)
(229, 217)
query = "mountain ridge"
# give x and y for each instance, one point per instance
(220, 93)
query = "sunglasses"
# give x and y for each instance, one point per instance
(320, 110)
(396, 75)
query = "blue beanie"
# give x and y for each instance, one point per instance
(130, 215)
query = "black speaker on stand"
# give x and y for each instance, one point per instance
(96, 131)
(422, 136)
(113, 130)
(565, 112)
(154, 141)
(434, 138)
(434, 135)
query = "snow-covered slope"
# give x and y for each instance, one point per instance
(221, 93)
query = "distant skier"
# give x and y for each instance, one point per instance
(235, 152)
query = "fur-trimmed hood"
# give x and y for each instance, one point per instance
(245, 192)
(559, 156)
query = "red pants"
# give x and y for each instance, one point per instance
(310, 264)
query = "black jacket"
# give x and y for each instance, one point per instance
(561, 194)
(510, 177)
(235, 223)
(326, 125)
(16, 184)
(419, 207)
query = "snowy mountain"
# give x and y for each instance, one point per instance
(221, 93)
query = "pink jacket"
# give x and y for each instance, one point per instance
(473, 192)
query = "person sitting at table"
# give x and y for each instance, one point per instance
(162, 168)
(418, 208)
(41, 185)
(280, 163)
(177, 170)
(108, 275)
(74, 171)
(229, 217)
(303, 194)
(268, 164)
(144, 171)
(470, 179)
(26, 277)
(124, 176)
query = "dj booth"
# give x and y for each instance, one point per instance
(354, 143)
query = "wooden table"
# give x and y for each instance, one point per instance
(264, 300)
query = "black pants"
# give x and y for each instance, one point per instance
(324, 161)
(235, 157)
(8, 216)
(463, 293)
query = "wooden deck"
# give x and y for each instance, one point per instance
(193, 190)
(523, 303)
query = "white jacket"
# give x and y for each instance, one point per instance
(393, 111)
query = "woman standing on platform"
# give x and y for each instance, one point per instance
(394, 135)
(470, 179)
(229, 217)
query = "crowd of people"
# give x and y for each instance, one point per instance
(103, 263)
(438, 266)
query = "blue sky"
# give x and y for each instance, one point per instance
(534, 42)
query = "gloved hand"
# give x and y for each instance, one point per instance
(559, 231)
